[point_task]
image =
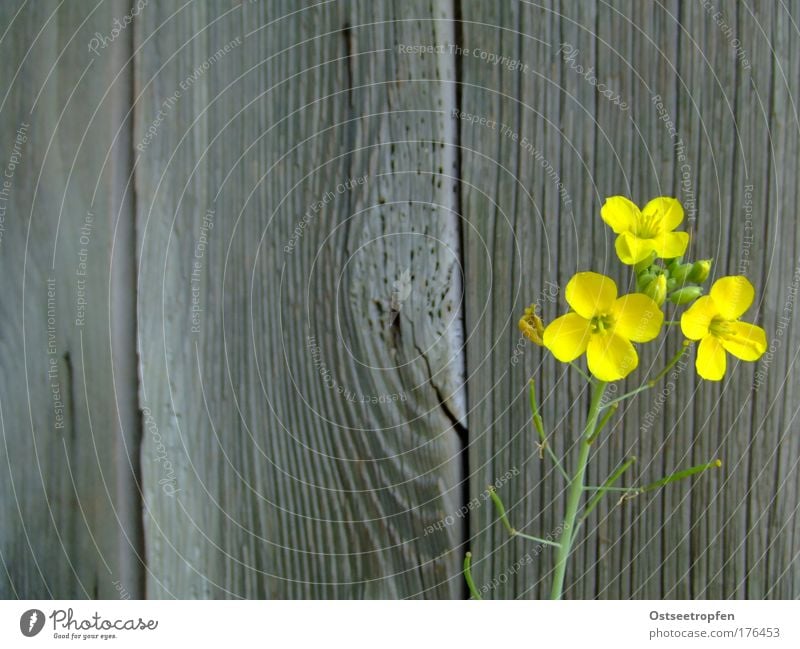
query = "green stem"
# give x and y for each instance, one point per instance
(536, 539)
(680, 475)
(539, 426)
(468, 576)
(537, 418)
(575, 491)
(580, 371)
(641, 388)
(554, 457)
(651, 383)
(608, 486)
(512, 531)
(626, 489)
(608, 415)
(673, 361)
(501, 510)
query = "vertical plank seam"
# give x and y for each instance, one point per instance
(665, 470)
(461, 431)
(129, 455)
(765, 275)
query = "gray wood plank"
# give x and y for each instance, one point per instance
(285, 486)
(70, 525)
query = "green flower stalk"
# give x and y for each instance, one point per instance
(575, 492)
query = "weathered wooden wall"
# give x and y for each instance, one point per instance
(729, 534)
(328, 374)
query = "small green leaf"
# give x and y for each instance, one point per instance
(501, 510)
(468, 576)
(680, 475)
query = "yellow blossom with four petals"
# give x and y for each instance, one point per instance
(642, 232)
(714, 321)
(603, 325)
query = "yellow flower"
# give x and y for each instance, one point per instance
(714, 321)
(603, 326)
(531, 325)
(646, 231)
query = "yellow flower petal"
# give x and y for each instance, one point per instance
(566, 337)
(732, 296)
(697, 318)
(744, 340)
(671, 244)
(611, 357)
(619, 213)
(637, 317)
(590, 294)
(668, 211)
(631, 249)
(711, 361)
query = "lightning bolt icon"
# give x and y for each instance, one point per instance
(32, 621)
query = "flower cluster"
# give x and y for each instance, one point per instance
(604, 326)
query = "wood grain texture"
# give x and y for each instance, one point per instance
(289, 486)
(727, 534)
(69, 521)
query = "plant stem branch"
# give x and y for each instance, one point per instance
(556, 462)
(468, 576)
(673, 361)
(651, 383)
(580, 371)
(604, 488)
(680, 475)
(539, 426)
(603, 421)
(641, 388)
(512, 531)
(536, 539)
(501, 510)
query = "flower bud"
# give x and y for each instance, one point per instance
(700, 271)
(656, 290)
(532, 326)
(681, 273)
(643, 280)
(685, 295)
(645, 263)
